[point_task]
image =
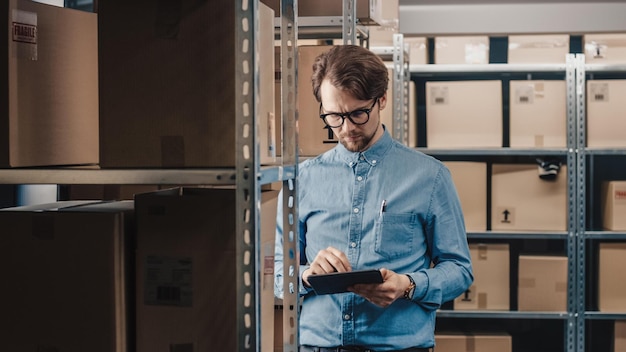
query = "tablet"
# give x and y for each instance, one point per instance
(324, 284)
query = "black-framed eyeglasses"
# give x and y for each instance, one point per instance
(357, 117)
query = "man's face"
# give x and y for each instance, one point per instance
(355, 138)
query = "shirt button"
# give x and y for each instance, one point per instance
(360, 178)
(346, 317)
(353, 244)
(356, 210)
(373, 161)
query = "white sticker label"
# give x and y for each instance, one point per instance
(167, 281)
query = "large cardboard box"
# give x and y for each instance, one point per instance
(605, 48)
(104, 192)
(167, 83)
(464, 114)
(368, 12)
(470, 179)
(605, 113)
(490, 289)
(48, 85)
(614, 205)
(462, 50)
(538, 114)
(611, 284)
(474, 342)
(69, 266)
(522, 201)
(542, 283)
(538, 49)
(186, 270)
(619, 336)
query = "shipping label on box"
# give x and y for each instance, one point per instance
(611, 284)
(538, 49)
(606, 120)
(462, 50)
(522, 201)
(542, 283)
(464, 114)
(490, 289)
(538, 114)
(470, 180)
(605, 48)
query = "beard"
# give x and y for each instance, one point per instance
(357, 141)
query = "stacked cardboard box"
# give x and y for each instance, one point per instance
(614, 205)
(70, 269)
(490, 289)
(605, 48)
(542, 283)
(462, 50)
(464, 114)
(48, 85)
(464, 342)
(186, 269)
(605, 117)
(538, 116)
(470, 179)
(167, 83)
(522, 201)
(538, 49)
(611, 286)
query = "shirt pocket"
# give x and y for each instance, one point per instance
(395, 234)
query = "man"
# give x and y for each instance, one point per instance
(372, 203)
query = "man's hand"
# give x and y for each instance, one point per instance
(328, 260)
(383, 294)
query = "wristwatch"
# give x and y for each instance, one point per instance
(408, 293)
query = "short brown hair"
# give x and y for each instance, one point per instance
(351, 68)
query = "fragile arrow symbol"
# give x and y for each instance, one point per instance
(506, 214)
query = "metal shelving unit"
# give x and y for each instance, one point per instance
(586, 161)
(247, 175)
(569, 153)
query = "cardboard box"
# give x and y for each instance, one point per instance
(49, 86)
(521, 201)
(605, 48)
(490, 289)
(611, 284)
(106, 192)
(464, 114)
(167, 83)
(619, 336)
(368, 12)
(69, 265)
(470, 179)
(538, 49)
(614, 205)
(605, 113)
(183, 301)
(418, 50)
(542, 283)
(462, 50)
(538, 114)
(314, 137)
(475, 342)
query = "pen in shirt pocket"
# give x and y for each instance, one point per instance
(383, 207)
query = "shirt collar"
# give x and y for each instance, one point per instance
(371, 155)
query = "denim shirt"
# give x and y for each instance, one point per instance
(421, 232)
